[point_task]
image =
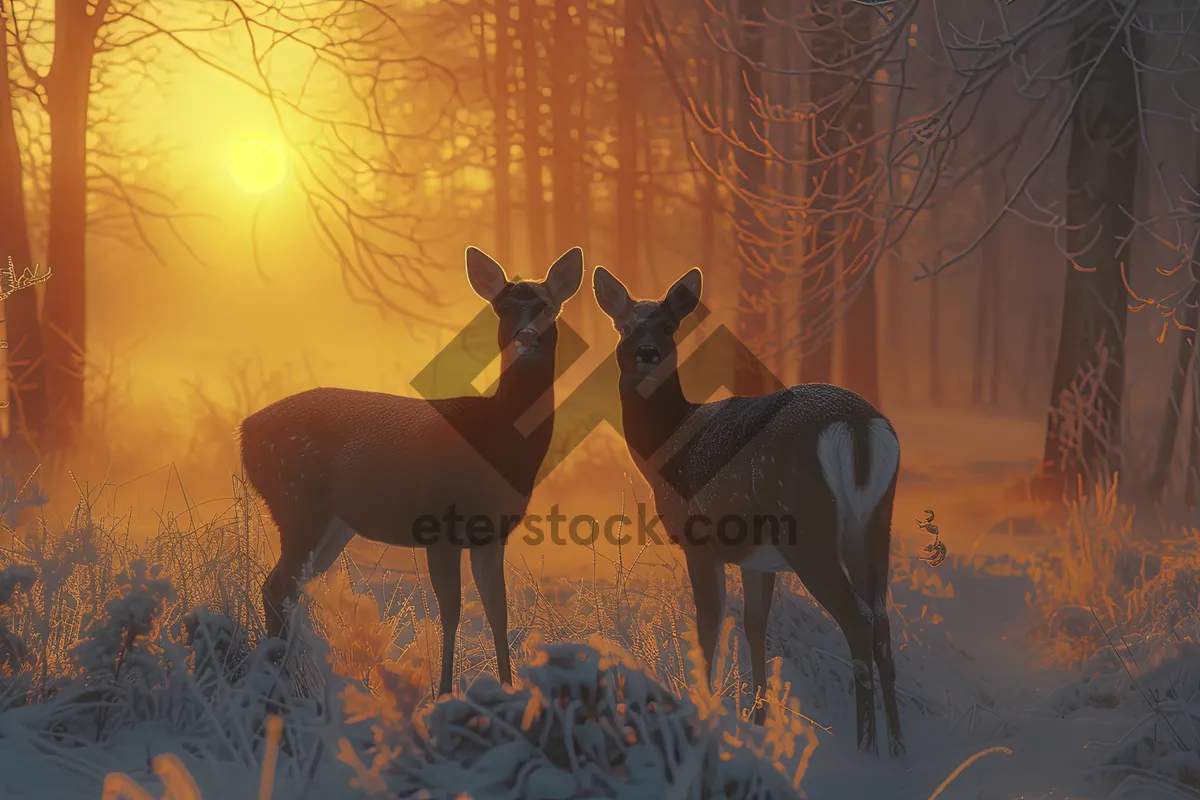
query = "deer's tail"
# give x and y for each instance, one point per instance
(860, 460)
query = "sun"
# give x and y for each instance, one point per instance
(258, 165)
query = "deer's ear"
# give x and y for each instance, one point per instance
(611, 294)
(684, 295)
(565, 276)
(487, 277)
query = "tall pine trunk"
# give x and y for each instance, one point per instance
(818, 286)
(786, 364)
(1188, 317)
(628, 105)
(860, 326)
(1101, 175)
(1169, 432)
(564, 162)
(535, 199)
(25, 384)
(992, 255)
(753, 280)
(582, 63)
(934, 218)
(979, 361)
(999, 334)
(709, 76)
(502, 102)
(1191, 485)
(64, 313)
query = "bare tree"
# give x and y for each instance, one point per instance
(1101, 174)
(378, 234)
(844, 209)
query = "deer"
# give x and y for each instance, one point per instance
(815, 453)
(330, 463)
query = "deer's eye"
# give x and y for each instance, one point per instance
(625, 330)
(669, 328)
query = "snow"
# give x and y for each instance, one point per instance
(1064, 648)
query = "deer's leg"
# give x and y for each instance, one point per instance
(446, 576)
(758, 589)
(297, 541)
(333, 541)
(821, 573)
(708, 590)
(887, 674)
(487, 567)
(880, 556)
(279, 587)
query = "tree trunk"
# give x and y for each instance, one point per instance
(1170, 425)
(936, 225)
(992, 255)
(535, 200)
(936, 391)
(998, 331)
(646, 218)
(1101, 174)
(628, 105)
(502, 102)
(785, 365)
(710, 74)
(982, 312)
(596, 324)
(1191, 487)
(818, 286)
(1034, 352)
(582, 64)
(753, 280)
(565, 162)
(25, 384)
(860, 326)
(64, 312)
(898, 333)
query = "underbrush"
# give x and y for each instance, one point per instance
(108, 646)
(1098, 578)
(134, 665)
(1121, 610)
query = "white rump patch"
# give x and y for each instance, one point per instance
(835, 451)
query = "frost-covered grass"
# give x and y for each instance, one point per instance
(145, 664)
(1120, 609)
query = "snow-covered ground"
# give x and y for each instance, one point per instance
(984, 657)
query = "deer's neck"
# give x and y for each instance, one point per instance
(649, 419)
(522, 387)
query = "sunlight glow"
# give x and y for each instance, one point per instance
(258, 165)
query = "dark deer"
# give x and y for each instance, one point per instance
(815, 454)
(332, 463)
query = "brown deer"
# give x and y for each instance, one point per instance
(816, 454)
(332, 463)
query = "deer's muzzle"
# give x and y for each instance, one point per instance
(647, 358)
(527, 339)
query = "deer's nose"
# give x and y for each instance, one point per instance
(527, 339)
